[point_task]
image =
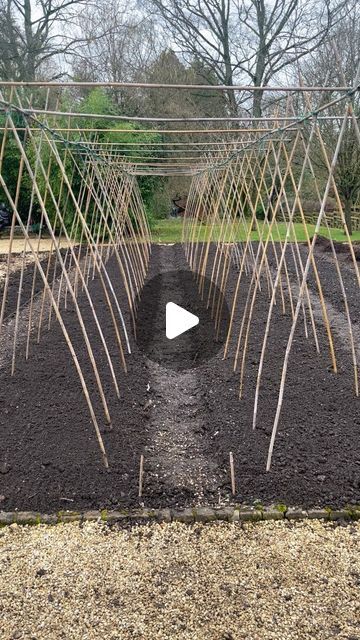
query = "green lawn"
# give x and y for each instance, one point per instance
(170, 230)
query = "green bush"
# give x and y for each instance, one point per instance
(260, 213)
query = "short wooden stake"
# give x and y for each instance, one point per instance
(232, 473)
(141, 475)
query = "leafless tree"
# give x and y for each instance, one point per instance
(119, 44)
(337, 62)
(31, 37)
(7, 32)
(204, 30)
(251, 40)
(280, 33)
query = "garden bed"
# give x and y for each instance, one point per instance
(49, 459)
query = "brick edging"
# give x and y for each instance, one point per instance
(190, 515)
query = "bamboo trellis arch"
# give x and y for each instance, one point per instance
(260, 164)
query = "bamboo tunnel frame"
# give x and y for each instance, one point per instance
(231, 179)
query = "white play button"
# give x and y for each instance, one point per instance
(178, 320)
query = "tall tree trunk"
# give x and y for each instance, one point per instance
(257, 102)
(233, 109)
(348, 206)
(30, 55)
(260, 58)
(228, 69)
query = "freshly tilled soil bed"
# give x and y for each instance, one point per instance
(49, 459)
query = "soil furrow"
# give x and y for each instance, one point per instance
(177, 420)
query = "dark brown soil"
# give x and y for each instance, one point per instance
(49, 459)
(340, 247)
(27, 282)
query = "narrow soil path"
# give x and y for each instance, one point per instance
(177, 426)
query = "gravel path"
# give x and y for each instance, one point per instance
(275, 580)
(18, 245)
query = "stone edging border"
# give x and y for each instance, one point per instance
(188, 516)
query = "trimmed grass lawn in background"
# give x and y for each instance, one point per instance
(170, 230)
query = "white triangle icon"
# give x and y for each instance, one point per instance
(178, 320)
